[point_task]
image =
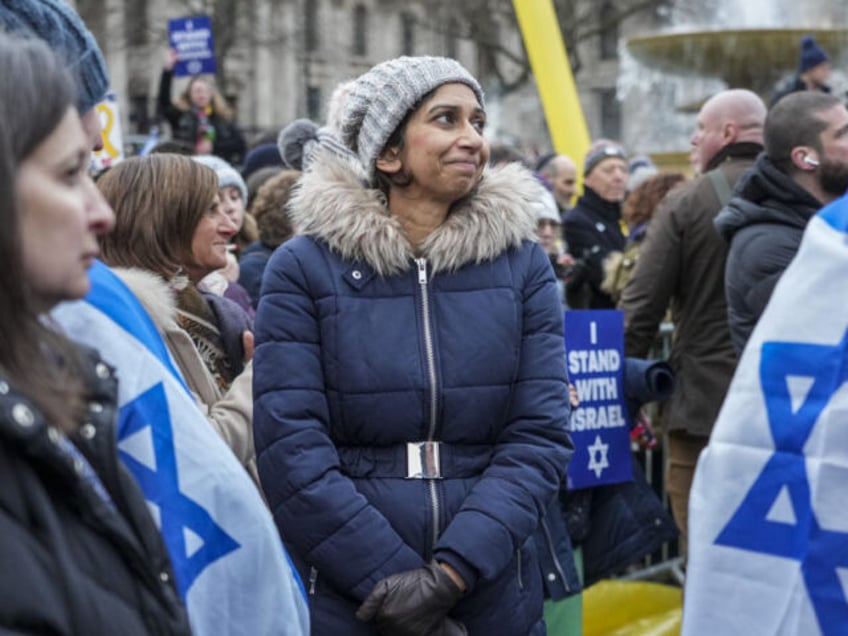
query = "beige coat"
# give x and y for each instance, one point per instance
(230, 413)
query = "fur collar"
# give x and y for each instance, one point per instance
(332, 204)
(154, 293)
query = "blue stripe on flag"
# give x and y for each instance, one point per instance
(836, 214)
(111, 296)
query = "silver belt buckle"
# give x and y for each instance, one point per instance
(423, 461)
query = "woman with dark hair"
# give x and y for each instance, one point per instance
(200, 117)
(170, 232)
(411, 396)
(79, 551)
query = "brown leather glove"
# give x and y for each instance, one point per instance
(414, 603)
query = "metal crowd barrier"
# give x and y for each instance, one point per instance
(666, 564)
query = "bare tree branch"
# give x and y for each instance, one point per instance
(483, 21)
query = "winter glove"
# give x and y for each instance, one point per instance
(414, 603)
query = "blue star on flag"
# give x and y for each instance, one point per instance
(161, 487)
(819, 551)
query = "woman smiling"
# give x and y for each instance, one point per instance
(170, 232)
(410, 390)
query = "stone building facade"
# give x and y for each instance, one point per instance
(284, 58)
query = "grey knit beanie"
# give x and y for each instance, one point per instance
(64, 31)
(227, 175)
(376, 102)
(300, 140)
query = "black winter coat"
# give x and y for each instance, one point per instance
(591, 230)
(764, 223)
(71, 563)
(794, 85)
(229, 143)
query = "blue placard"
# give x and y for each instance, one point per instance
(594, 349)
(192, 38)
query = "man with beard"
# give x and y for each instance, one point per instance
(804, 167)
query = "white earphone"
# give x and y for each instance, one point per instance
(810, 161)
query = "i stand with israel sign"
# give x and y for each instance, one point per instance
(192, 39)
(594, 346)
(768, 514)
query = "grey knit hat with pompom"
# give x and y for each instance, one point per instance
(377, 102)
(300, 140)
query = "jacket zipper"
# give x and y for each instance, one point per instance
(431, 372)
(554, 556)
(520, 577)
(313, 580)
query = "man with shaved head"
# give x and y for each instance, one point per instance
(681, 263)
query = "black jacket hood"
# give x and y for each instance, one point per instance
(764, 194)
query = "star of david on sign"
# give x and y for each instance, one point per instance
(800, 537)
(180, 516)
(598, 456)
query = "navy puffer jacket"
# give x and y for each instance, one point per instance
(361, 349)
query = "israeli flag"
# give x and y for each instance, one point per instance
(768, 514)
(229, 562)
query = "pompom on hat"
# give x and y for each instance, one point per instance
(56, 23)
(300, 140)
(376, 103)
(811, 54)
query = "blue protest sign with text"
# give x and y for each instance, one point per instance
(594, 349)
(192, 38)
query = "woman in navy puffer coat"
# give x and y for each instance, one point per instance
(374, 336)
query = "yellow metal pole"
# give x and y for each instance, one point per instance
(557, 90)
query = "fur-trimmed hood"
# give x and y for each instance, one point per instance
(331, 204)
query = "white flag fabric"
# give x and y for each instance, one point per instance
(229, 562)
(768, 513)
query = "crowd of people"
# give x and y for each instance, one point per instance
(368, 313)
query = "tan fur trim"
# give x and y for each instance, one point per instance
(332, 204)
(612, 264)
(153, 293)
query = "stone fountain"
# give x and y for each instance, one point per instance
(742, 58)
(721, 44)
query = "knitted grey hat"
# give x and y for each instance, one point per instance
(227, 175)
(300, 140)
(376, 102)
(61, 28)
